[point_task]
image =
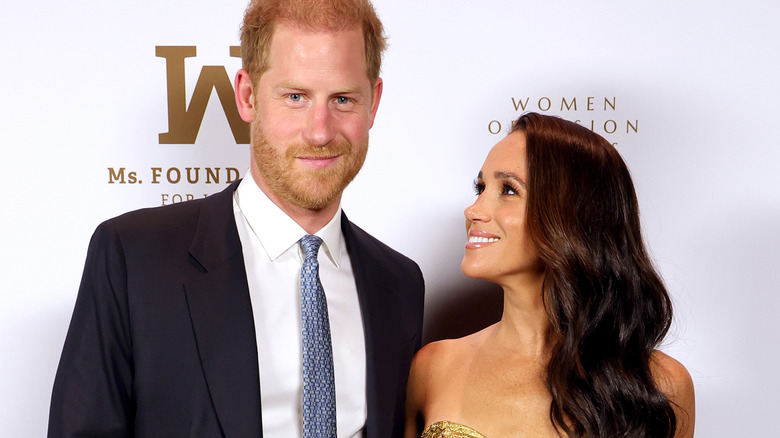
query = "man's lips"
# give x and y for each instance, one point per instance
(318, 162)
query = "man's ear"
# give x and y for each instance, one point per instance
(245, 97)
(375, 104)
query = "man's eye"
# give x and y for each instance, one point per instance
(295, 97)
(341, 100)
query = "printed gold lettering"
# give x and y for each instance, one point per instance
(190, 179)
(114, 176)
(184, 121)
(520, 103)
(232, 174)
(212, 175)
(175, 171)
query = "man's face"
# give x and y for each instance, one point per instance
(312, 111)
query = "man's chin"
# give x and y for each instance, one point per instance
(310, 203)
(317, 199)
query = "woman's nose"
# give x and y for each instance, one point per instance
(476, 211)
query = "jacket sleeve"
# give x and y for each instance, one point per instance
(93, 388)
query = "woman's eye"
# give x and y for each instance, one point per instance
(508, 190)
(478, 188)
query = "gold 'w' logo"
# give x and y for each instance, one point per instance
(184, 121)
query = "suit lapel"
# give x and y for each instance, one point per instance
(221, 312)
(379, 309)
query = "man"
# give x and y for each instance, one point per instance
(188, 319)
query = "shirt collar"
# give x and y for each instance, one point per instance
(277, 231)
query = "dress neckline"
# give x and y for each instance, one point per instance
(450, 429)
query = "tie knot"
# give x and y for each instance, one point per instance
(311, 244)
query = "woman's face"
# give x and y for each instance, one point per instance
(499, 248)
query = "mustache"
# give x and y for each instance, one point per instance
(331, 149)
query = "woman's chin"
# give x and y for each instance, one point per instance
(475, 272)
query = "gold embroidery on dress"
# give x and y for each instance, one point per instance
(446, 429)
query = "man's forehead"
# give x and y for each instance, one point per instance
(292, 36)
(305, 28)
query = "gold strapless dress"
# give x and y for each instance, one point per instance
(446, 429)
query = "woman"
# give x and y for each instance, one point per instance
(556, 224)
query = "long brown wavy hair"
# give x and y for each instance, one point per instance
(607, 306)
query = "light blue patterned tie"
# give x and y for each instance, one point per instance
(319, 390)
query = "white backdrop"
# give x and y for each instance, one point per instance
(695, 94)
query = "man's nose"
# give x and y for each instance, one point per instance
(320, 128)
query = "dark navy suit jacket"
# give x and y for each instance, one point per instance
(162, 339)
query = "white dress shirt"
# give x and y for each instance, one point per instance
(273, 259)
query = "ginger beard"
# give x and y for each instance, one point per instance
(313, 189)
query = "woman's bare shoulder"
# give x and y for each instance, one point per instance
(441, 358)
(435, 355)
(437, 370)
(443, 352)
(674, 380)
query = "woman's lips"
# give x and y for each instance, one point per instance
(480, 239)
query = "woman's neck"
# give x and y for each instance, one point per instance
(524, 324)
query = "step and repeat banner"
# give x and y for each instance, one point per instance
(112, 106)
